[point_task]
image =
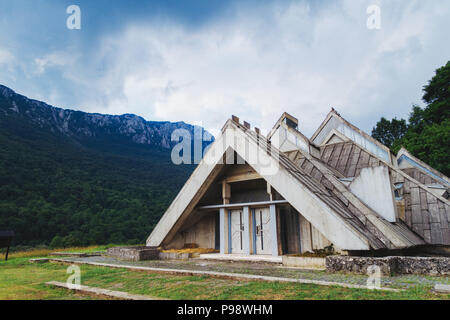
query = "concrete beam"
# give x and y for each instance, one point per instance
(241, 205)
(226, 192)
(242, 177)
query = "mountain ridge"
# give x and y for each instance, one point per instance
(68, 121)
(72, 178)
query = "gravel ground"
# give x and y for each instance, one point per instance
(399, 281)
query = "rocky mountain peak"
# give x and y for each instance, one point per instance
(82, 125)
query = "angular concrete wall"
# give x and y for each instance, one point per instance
(201, 233)
(373, 186)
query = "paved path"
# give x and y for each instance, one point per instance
(99, 291)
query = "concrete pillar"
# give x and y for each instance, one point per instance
(273, 229)
(226, 192)
(228, 228)
(253, 232)
(246, 235)
(222, 229)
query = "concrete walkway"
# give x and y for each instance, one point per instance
(99, 291)
(241, 257)
(222, 275)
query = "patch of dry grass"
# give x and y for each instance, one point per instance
(192, 250)
(46, 251)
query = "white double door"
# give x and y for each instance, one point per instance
(262, 229)
(237, 231)
(262, 225)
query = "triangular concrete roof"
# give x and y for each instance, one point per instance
(425, 168)
(325, 210)
(333, 113)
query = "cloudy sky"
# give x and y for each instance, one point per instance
(200, 61)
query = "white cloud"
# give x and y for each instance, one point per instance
(262, 61)
(59, 59)
(6, 57)
(8, 62)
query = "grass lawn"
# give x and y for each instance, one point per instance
(20, 279)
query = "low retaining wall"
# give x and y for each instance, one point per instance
(390, 265)
(139, 253)
(304, 262)
(174, 256)
(424, 265)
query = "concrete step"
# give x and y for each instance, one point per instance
(241, 257)
(442, 288)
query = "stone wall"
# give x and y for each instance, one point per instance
(423, 265)
(138, 253)
(390, 265)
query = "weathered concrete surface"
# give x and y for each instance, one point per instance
(241, 257)
(390, 265)
(442, 288)
(174, 256)
(304, 262)
(100, 292)
(224, 275)
(200, 233)
(333, 227)
(137, 253)
(373, 187)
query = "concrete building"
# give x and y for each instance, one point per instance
(286, 194)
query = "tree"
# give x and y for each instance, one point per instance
(416, 119)
(71, 241)
(428, 129)
(431, 145)
(57, 242)
(437, 96)
(388, 132)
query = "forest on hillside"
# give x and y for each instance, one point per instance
(59, 192)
